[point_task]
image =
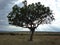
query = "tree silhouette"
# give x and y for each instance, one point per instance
(30, 16)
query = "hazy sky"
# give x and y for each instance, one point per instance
(6, 7)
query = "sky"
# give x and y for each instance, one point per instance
(6, 7)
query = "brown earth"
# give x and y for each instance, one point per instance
(22, 39)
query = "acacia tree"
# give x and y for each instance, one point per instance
(30, 16)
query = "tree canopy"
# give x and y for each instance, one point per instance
(30, 15)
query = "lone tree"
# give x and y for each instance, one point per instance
(30, 16)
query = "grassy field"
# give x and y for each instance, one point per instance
(42, 38)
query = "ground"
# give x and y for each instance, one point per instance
(22, 39)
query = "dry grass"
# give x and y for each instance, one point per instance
(23, 40)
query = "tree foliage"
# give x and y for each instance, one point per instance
(30, 16)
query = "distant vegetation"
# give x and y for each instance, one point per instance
(27, 33)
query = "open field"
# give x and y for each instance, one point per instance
(21, 38)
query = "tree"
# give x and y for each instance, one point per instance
(30, 16)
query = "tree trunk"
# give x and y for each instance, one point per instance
(32, 33)
(31, 36)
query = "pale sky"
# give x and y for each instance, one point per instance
(6, 6)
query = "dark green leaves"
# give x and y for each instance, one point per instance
(30, 16)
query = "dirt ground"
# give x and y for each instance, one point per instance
(23, 40)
